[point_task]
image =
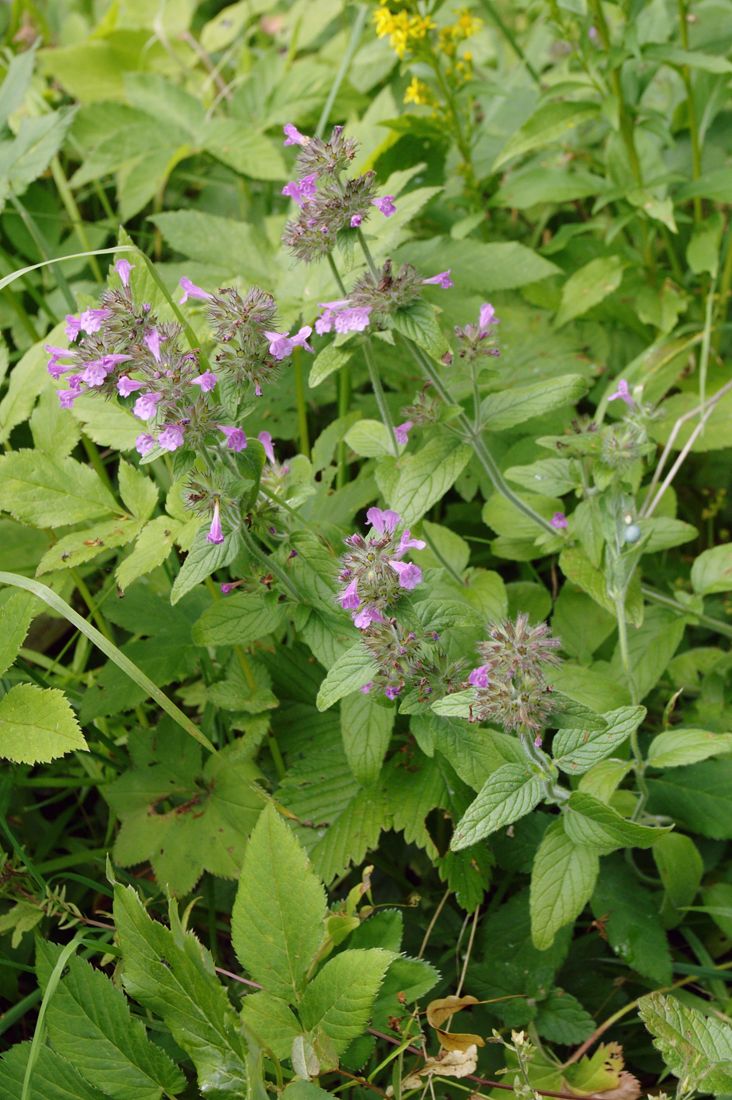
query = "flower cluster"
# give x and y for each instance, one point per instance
(403, 28)
(374, 297)
(409, 658)
(373, 571)
(475, 341)
(510, 685)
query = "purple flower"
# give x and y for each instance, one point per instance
(366, 688)
(356, 220)
(266, 440)
(443, 280)
(293, 135)
(123, 269)
(126, 385)
(171, 438)
(144, 443)
(401, 432)
(383, 520)
(538, 741)
(409, 575)
(558, 521)
(90, 321)
(366, 616)
(190, 290)
(257, 389)
(349, 598)
(622, 393)
(152, 339)
(385, 205)
(144, 407)
(281, 344)
(215, 532)
(391, 691)
(236, 439)
(66, 398)
(95, 373)
(353, 320)
(479, 676)
(406, 542)
(206, 381)
(487, 316)
(226, 588)
(301, 190)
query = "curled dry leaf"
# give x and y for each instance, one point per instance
(603, 1076)
(448, 1063)
(440, 1011)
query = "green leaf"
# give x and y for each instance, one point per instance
(271, 1021)
(459, 704)
(182, 816)
(562, 880)
(562, 1019)
(506, 796)
(83, 546)
(500, 411)
(715, 185)
(712, 570)
(37, 725)
(28, 378)
(696, 1048)
(479, 267)
(203, 559)
(229, 243)
(338, 1001)
(238, 619)
(686, 746)
(549, 123)
(89, 1022)
(151, 549)
(548, 476)
(588, 286)
(351, 671)
(54, 429)
(576, 750)
(330, 359)
(16, 83)
(138, 491)
(578, 568)
(698, 797)
(172, 975)
(235, 143)
(16, 615)
(29, 154)
(591, 822)
(418, 322)
(106, 422)
(417, 481)
(630, 916)
(278, 915)
(366, 728)
(530, 186)
(650, 648)
(369, 438)
(680, 867)
(53, 1077)
(48, 492)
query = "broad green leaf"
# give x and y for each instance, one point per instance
(500, 411)
(578, 568)
(526, 188)
(686, 746)
(604, 778)
(28, 378)
(650, 648)
(271, 1021)
(330, 359)
(54, 1078)
(630, 915)
(369, 438)
(203, 559)
(414, 793)
(576, 750)
(696, 59)
(417, 481)
(418, 323)
(37, 725)
(550, 123)
(696, 1048)
(591, 822)
(235, 247)
(350, 672)
(278, 915)
(697, 797)
(459, 704)
(106, 422)
(703, 249)
(16, 83)
(82, 546)
(718, 903)
(664, 532)
(54, 429)
(715, 185)
(681, 868)
(182, 815)
(588, 286)
(562, 880)
(712, 570)
(562, 1019)
(238, 619)
(236, 144)
(366, 728)
(479, 267)
(151, 549)
(338, 1001)
(48, 492)
(172, 975)
(16, 615)
(138, 490)
(548, 476)
(506, 796)
(89, 1022)
(30, 152)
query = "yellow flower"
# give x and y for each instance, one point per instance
(467, 24)
(417, 92)
(401, 28)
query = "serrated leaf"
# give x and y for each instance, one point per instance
(698, 797)
(366, 728)
(680, 867)
(330, 359)
(173, 976)
(83, 546)
(500, 411)
(369, 438)
(47, 492)
(271, 1021)
(507, 795)
(351, 671)
(712, 570)
(577, 750)
(37, 725)
(562, 1019)
(686, 746)
(419, 480)
(549, 123)
(138, 491)
(562, 880)
(588, 286)
(238, 619)
(629, 914)
(338, 1001)
(278, 915)
(418, 322)
(203, 559)
(152, 548)
(54, 1078)
(90, 1023)
(591, 822)
(696, 1048)
(16, 615)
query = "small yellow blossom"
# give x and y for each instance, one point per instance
(401, 28)
(417, 92)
